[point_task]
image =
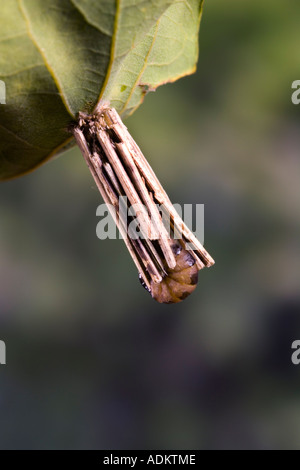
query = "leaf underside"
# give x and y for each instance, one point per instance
(59, 57)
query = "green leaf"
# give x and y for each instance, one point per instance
(59, 57)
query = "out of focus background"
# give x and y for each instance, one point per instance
(92, 361)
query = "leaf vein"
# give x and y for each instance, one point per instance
(21, 140)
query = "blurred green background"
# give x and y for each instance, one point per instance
(92, 361)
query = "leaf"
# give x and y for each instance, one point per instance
(59, 57)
